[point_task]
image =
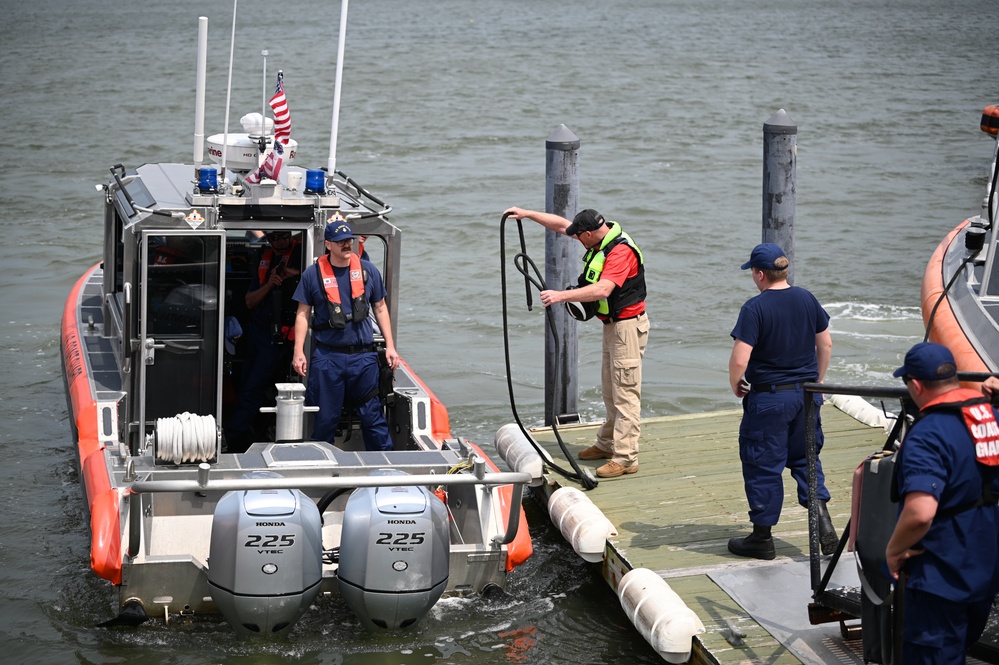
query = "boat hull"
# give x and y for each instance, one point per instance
(957, 317)
(151, 518)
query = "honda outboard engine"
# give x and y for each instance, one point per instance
(265, 562)
(394, 553)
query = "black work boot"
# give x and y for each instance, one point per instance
(828, 540)
(758, 545)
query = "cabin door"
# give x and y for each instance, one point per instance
(180, 359)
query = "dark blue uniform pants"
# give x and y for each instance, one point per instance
(938, 631)
(258, 374)
(772, 438)
(335, 376)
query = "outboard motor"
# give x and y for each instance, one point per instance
(265, 561)
(394, 553)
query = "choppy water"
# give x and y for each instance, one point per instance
(445, 110)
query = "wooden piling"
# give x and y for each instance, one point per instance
(562, 267)
(780, 157)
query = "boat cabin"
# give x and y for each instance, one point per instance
(178, 264)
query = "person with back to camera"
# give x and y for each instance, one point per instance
(334, 297)
(613, 287)
(782, 341)
(946, 539)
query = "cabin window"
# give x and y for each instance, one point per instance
(183, 285)
(181, 301)
(116, 253)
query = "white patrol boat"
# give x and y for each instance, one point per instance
(183, 525)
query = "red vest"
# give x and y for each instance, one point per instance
(264, 267)
(978, 418)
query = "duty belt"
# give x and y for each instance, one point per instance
(774, 387)
(361, 348)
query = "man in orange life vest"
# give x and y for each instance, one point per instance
(334, 297)
(272, 315)
(946, 539)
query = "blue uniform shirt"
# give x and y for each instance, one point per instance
(961, 562)
(780, 325)
(311, 292)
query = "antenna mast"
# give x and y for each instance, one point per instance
(228, 92)
(199, 99)
(331, 164)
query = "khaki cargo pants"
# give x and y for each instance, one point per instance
(621, 379)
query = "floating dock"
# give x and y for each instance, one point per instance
(676, 515)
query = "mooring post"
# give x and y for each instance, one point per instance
(561, 270)
(780, 157)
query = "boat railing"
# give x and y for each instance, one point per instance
(811, 455)
(347, 185)
(907, 407)
(204, 483)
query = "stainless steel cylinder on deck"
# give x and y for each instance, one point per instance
(290, 409)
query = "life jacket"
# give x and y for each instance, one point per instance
(979, 419)
(358, 302)
(264, 267)
(633, 289)
(165, 255)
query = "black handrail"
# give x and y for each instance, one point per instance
(811, 445)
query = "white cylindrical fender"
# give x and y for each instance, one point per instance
(518, 453)
(581, 523)
(659, 614)
(863, 411)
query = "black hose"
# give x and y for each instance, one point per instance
(522, 261)
(992, 189)
(946, 289)
(328, 498)
(117, 171)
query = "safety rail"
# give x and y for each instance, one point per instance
(811, 456)
(203, 483)
(900, 393)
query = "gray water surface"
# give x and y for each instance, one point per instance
(445, 109)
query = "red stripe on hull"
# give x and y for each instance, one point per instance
(521, 549)
(946, 329)
(105, 531)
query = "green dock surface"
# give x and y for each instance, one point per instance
(676, 514)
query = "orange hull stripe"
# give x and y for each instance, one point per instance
(946, 330)
(521, 549)
(105, 532)
(105, 539)
(440, 422)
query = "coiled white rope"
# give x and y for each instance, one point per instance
(187, 437)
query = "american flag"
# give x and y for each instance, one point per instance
(271, 167)
(282, 116)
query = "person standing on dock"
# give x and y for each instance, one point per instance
(782, 341)
(612, 287)
(946, 539)
(341, 288)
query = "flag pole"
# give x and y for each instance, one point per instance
(228, 92)
(331, 164)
